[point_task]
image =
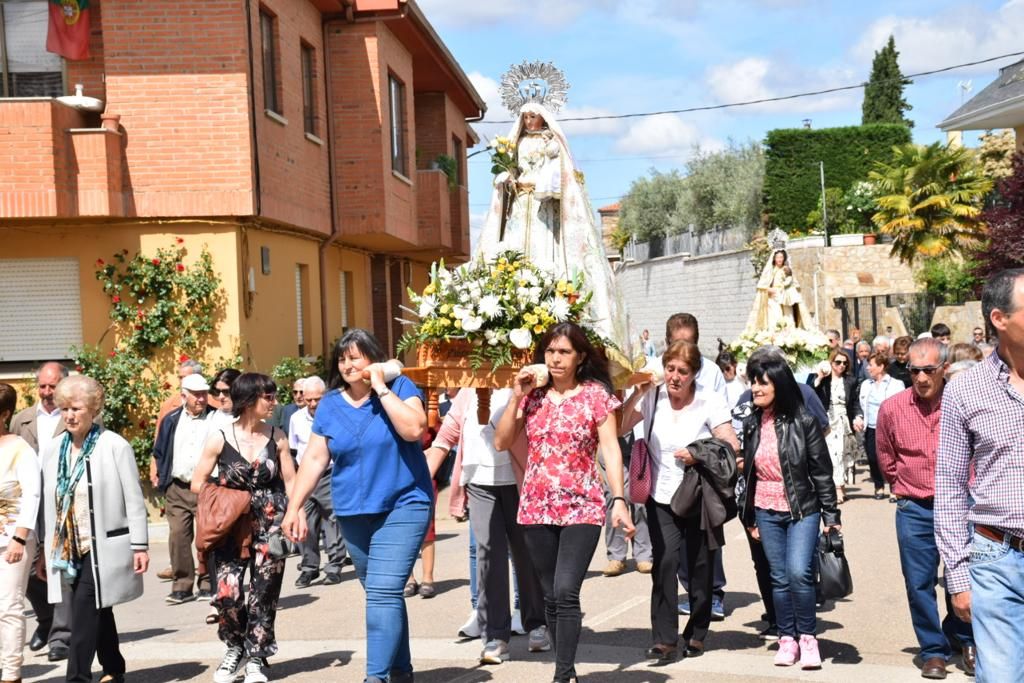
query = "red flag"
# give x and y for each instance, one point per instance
(68, 32)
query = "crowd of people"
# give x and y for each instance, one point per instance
(347, 470)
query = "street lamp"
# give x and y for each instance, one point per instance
(824, 207)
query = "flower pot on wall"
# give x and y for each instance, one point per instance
(847, 240)
(870, 238)
(804, 242)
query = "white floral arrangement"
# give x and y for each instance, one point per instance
(801, 347)
(499, 306)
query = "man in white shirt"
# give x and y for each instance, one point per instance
(40, 426)
(319, 508)
(179, 443)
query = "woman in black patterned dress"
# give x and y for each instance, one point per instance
(248, 456)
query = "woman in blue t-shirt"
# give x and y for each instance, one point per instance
(369, 432)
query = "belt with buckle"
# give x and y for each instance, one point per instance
(997, 535)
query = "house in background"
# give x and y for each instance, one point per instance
(999, 105)
(298, 140)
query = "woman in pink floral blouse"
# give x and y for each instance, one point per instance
(561, 503)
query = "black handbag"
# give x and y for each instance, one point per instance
(834, 580)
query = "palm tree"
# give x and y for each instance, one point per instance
(930, 200)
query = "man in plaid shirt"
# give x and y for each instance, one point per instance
(907, 439)
(982, 430)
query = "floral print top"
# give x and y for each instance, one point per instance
(562, 485)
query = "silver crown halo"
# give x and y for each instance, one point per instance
(539, 82)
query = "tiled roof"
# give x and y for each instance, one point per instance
(1004, 90)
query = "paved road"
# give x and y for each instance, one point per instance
(320, 630)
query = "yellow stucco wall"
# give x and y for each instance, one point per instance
(91, 241)
(263, 336)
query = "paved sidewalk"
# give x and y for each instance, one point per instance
(321, 631)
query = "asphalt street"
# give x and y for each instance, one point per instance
(320, 630)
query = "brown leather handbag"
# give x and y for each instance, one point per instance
(218, 511)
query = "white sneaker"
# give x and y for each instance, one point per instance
(254, 671)
(539, 640)
(471, 629)
(496, 652)
(517, 624)
(230, 666)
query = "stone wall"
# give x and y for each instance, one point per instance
(961, 320)
(717, 289)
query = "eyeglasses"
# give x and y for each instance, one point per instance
(219, 392)
(837, 361)
(270, 397)
(296, 392)
(928, 370)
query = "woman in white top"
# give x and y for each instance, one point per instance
(878, 387)
(20, 482)
(675, 416)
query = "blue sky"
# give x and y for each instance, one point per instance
(645, 55)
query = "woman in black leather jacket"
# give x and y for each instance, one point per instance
(790, 495)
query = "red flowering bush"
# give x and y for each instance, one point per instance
(156, 303)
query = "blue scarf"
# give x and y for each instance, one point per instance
(67, 553)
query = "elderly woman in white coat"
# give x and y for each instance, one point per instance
(96, 538)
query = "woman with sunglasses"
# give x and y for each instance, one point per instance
(220, 398)
(250, 455)
(878, 387)
(837, 389)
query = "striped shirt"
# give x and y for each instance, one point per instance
(981, 426)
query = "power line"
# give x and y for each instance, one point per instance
(781, 98)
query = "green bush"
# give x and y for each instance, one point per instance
(792, 183)
(949, 280)
(289, 369)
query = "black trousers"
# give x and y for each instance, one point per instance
(667, 535)
(93, 631)
(763, 572)
(872, 453)
(561, 555)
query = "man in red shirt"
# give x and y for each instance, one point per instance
(907, 440)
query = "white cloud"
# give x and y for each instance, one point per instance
(484, 12)
(664, 135)
(962, 35)
(758, 78)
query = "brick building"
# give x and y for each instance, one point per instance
(296, 139)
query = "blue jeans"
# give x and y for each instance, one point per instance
(919, 558)
(790, 545)
(383, 548)
(997, 603)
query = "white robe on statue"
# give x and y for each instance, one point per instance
(552, 222)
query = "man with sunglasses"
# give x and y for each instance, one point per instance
(979, 487)
(906, 442)
(176, 451)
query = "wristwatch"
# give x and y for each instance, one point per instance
(383, 392)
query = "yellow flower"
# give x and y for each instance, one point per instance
(530, 319)
(429, 289)
(444, 322)
(538, 328)
(445, 308)
(569, 289)
(458, 324)
(561, 286)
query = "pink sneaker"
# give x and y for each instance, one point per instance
(788, 652)
(810, 658)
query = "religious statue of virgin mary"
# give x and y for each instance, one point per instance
(541, 208)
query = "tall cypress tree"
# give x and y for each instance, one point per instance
(883, 94)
